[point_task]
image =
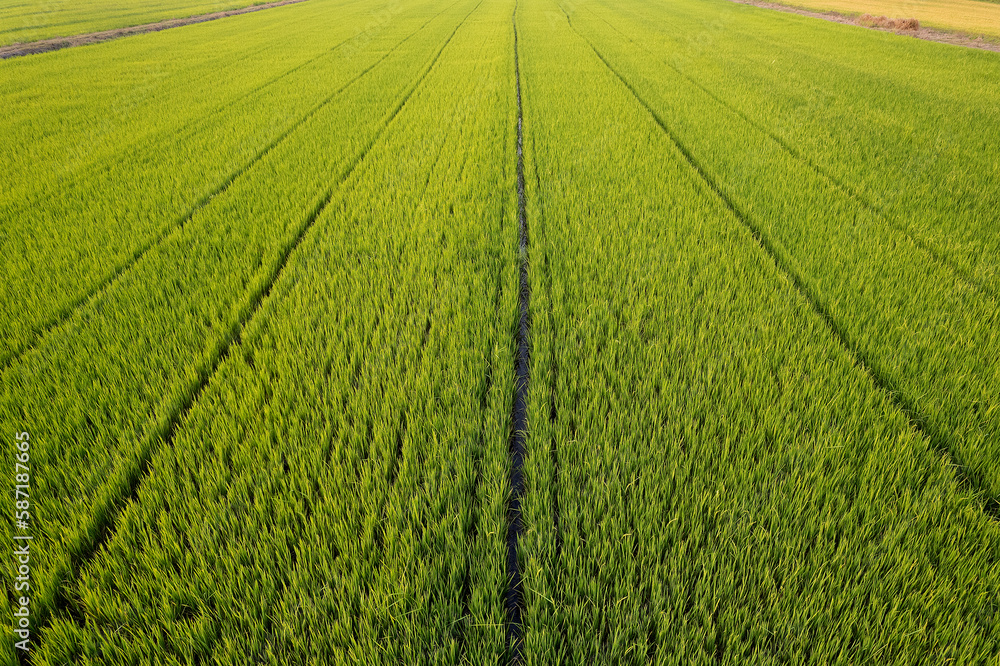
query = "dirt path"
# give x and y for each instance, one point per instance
(56, 43)
(930, 34)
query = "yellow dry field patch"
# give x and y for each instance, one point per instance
(968, 16)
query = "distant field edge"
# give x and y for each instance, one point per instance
(987, 39)
(57, 43)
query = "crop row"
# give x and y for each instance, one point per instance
(337, 492)
(113, 147)
(272, 421)
(109, 387)
(911, 132)
(923, 332)
(712, 476)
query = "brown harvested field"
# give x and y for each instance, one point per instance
(972, 17)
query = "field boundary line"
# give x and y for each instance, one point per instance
(842, 186)
(170, 228)
(166, 430)
(519, 409)
(48, 45)
(957, 37)
(989, 505)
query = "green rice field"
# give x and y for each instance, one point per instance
(31, 20)
(498, 332)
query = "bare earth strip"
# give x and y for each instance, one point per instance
(930, 34)
(56, 43)
(970, 17)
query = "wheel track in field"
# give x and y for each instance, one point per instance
(929, 248)
(519, 411)
(102, 286)
(164, 435)
(938, 440)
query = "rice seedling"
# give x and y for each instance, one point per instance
(267, 285)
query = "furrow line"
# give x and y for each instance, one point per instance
(164, 435)
(927, 247)
(990, 505)
(167, 231)
(519, 417)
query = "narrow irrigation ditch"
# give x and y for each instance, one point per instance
(519, 416)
